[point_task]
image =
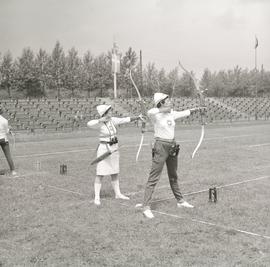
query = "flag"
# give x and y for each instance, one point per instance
(115, 59)
(115, 63)
(256, 42)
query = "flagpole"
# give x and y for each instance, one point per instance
(115, 66)
(114, 85)
(256, 58)
(256, 105)
(114, 75)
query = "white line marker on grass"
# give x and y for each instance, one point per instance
(157, 188)
(258, 145)
(65, 190)
(206, 223)
(14, 177)
(22, 176)
(54, 153)
(213, 224)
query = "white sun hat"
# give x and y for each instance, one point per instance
(159, 97)
(102, 109)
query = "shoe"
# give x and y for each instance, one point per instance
(148, 214)
(122, 197)
(14, 174)
(184, 204)
(97, 202)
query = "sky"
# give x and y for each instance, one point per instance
(213, 34)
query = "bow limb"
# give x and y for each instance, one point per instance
(140, 147)
(143, 110)
(135, 86)
(193, 79)
(202, 103)
(199, 144)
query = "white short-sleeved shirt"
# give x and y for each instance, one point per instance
(109, 165)
(164, 123)
(107, 129)
(3, 128)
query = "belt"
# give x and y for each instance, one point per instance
(109, 142)
(165, 140)
(104, 142)
(104, 139)
(3, 140)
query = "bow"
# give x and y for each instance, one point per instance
(202, 104)
(144, 113)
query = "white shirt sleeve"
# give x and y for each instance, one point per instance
(118, 121)
(181, 114)
(94, 124)
(4, 129)
(152, 113)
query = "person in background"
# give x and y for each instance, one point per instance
(108, 141)
(4, 143)
(165, 150)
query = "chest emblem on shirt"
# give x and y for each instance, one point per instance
(111, 128)
(169, 122)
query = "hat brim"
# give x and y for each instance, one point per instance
(162, 100)
(107, 110)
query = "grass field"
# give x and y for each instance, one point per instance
(48, 219)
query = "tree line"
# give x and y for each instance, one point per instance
(60, 74)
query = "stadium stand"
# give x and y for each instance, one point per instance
(70, 114)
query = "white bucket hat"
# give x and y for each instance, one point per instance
(101, 109)
(159, 97)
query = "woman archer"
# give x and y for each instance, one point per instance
(165, 150)
(108, 142)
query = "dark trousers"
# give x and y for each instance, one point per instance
(6, 150)
(160, 156)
